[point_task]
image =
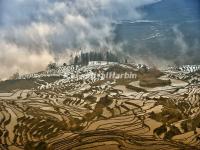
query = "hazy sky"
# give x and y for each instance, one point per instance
(33, 32)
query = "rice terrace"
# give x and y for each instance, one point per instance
(99, 74)
(93, 113)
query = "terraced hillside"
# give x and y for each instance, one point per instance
(95, 113)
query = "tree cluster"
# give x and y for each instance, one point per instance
(51, 66)
(84, 58)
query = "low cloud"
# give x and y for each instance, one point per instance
(34, 32)
(187, 53)
(179, 40)
(17, 59)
